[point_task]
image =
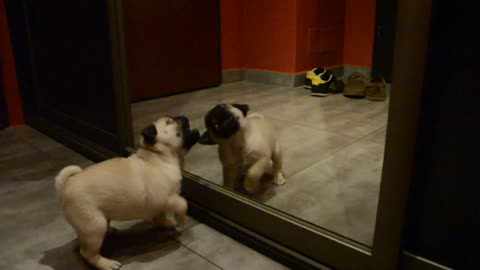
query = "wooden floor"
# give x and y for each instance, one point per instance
(332, 147)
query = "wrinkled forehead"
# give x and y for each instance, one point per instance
(234, 111)
(162, 122)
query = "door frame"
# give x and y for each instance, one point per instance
(27, 80)
(3, 106)
(385, 19)
(301, 245)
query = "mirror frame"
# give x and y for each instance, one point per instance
(302, 245)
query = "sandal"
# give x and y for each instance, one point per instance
(376, 89)
(356, 86)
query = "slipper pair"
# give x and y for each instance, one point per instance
(358, 86)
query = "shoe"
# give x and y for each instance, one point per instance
(312, 74)
(356, 86)
(376, 89)
(325, 85)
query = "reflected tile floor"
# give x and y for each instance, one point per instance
(34, 234)
(332, 149)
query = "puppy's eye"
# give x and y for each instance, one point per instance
(237, 117)
(178, 135)
(169, 121)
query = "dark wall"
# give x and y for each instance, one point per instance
(443, 217)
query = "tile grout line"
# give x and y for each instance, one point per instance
(326, 156)
(198, 254)
(314, 128)
(373, 132)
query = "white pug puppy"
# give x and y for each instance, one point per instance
(246, 145)
(145, 185)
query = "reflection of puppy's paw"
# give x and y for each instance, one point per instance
(279, 179)
(251, 186)
(107, 264)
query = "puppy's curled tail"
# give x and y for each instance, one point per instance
(64, 175)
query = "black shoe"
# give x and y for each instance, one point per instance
(325, 85)
(312, 74)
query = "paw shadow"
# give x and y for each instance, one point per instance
(129, 244)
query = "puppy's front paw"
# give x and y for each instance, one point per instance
(107, 264)
(279, 179)
(250, 186)
(164, 222)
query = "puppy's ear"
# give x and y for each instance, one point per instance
(206, 139)
(149, 134)
(242, 107)
(192, 138)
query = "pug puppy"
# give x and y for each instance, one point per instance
(246, 145)
(146, 185)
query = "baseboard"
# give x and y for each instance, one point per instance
(271, 77)
(232, 76)
(413, 262)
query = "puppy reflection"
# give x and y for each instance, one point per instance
(145, 185)
(247, 146)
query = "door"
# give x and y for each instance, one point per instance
(69, 73)
(3, 107)
(171, 46)
(384, 38)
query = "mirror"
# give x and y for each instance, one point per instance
(314, 153)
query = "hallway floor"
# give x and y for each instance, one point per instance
(332, 149)
(34, 234)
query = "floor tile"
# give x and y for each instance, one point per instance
(224, 251)
(378, 136)
(168, 255)
(339, 193)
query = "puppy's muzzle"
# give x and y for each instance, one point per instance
(190, 136)
(149, 134)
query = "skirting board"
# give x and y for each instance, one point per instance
(413, 262)
(281, 78)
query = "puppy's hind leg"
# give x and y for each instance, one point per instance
(254, 174)
(278, 176)
(91, 230)
(178, 205)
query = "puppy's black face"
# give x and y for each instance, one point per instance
(223, 121)
(173, 132)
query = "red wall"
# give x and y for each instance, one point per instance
(320, 30)
(359, 32)
(258, 34)
(231, 34)
(296, 35)
(269, 35)
(9, 75)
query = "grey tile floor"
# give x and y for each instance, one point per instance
(332, 148)
(34, 234)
